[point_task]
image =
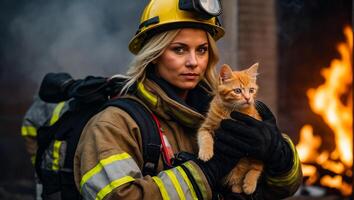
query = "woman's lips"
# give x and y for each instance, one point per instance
(190, 76)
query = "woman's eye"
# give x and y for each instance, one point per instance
(202, 50)
(238, 90)
(178, 50)
(252, 90)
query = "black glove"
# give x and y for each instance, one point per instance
(260, 139)
(281, 159)
(224, 159)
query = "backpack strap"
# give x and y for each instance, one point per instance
(149, 131)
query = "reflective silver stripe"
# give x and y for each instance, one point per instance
(187, 193)
(175, 185)
(162, 188)
(54, 157)
(172, 193)
(198, 179)
(191, 190)
(114, 184)
(107, 175)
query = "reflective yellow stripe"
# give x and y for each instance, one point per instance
(197, 178)
(100, 165)
(183, 117)
(29, 131)
(33, 159)
(176, 184)
(150, 97)
(292, 175)
(186, 179)
(162, 188)
(56, 155)
(56, 113)
(114, 184)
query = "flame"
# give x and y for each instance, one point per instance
(308, 144)
(326, 102)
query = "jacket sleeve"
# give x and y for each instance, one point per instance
(108, 163)
(286, 184)
(38, 114)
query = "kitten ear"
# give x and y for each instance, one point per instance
(252, 71)
(225, 72)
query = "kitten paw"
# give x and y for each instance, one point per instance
(205, 154)
(236, 188)
(249, 188)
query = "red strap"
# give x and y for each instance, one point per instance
(166, 147)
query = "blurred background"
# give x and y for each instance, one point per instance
(304, 49)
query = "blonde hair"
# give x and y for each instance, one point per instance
(210, 77)
(155, 48)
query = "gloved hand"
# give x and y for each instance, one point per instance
(281, 159)
(259, 139)
(224, 159)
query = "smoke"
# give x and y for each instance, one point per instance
(295, 5)
(81, 37)
(289, 13)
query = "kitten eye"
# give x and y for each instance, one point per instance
(238, 90)
(252, 90)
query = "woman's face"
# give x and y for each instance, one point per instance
(185, 59)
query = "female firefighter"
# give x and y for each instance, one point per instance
(173, 72)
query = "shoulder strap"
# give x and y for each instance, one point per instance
(149, 131)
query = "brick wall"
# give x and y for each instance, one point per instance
(251, 37)
(257, 43)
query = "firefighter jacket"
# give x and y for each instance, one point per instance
(108, 159)
(38, 115)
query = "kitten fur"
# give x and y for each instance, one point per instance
(236, 91)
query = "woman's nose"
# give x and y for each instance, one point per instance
(192, 60)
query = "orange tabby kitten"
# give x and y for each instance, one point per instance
(236, 92)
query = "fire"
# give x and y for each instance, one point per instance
(327, 101)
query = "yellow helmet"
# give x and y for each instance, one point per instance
(162, 15)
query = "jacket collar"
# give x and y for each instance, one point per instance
(162, 98)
